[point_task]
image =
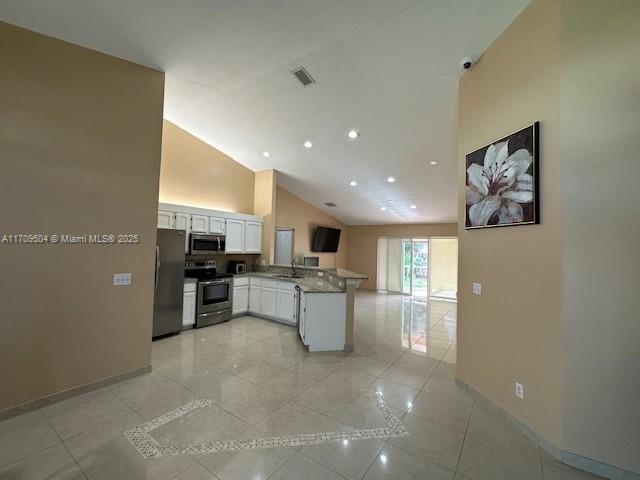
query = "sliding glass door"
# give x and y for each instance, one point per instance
(418, 266)
(415, 267)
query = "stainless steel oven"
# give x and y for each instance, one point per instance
(203, 244)
(214, 301)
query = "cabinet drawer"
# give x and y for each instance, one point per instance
(255, 281)
(240, 281)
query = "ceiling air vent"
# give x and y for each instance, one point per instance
(304, 77)
(330, 204)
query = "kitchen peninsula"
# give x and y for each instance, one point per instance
(319, 301)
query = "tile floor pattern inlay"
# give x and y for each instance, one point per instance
(260, 385)
(149, 448)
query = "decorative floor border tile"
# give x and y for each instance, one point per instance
(145, 444)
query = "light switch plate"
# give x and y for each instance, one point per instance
(477, 289)
(120, 279)
(520, 391)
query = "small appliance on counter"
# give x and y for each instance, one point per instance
(236, 266)
(214, 292)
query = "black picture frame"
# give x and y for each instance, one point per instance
(497, 192)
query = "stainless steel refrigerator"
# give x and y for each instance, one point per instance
(169, 282)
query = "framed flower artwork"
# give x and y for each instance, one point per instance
(502, 182)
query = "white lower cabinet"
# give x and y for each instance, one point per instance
(274, 299)
(302, 317)
(240, 295)
(268, 303)
(189, 304)
(254, 294)
(285, 308)
(322, 322)
(240, 299)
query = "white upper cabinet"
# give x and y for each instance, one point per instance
(166, 219)
(183, 222)
(217, 225)
(235, 240)
(243, 232)
(253, 237)
(199, 223)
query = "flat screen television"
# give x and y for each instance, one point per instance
(325, 239)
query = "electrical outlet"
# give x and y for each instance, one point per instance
(321, 274)
(477, 289)
(120, 279)
(520, 391)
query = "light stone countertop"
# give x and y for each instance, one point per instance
(307, 284)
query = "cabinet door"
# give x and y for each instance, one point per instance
(285, 305)
(216, 225)
(166, 219)
(240, 299)
(302, 318)
(199, 223)
(188, 309)
(253, 237)
(183, 222)
(235, 236)
(268, 302)
(254, 298)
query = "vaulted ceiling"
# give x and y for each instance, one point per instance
(387, 68)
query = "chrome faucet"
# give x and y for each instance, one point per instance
(293, 267)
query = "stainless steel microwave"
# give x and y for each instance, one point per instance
(203, 244)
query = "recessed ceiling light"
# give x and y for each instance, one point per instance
(308, 144)
(391, 179)
(412, 207)
(353, 134)
(383, 208)
(266, 154)
(353, 183)
(433, 162)
(383, 458)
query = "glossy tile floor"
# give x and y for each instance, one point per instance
(263, 383)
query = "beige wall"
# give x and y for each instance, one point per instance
(363, 244)
(443, 263)
(196, 174)
(80, 140)
(294, 212)
(264, 205)
(601, 198)
(513, 333)
(559, 310)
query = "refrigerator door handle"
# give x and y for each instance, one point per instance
(155, 286)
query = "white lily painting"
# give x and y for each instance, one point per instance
(501, 185)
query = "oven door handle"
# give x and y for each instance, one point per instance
(214, 282)
(218, 238)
